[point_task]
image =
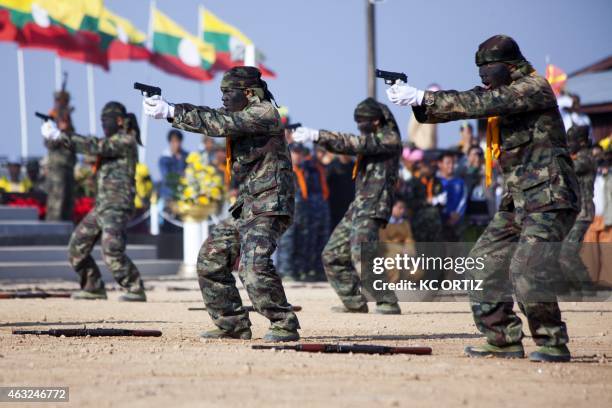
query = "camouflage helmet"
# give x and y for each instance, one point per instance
(369, 108)
(499, 48)
(244, 77)
(114, 108)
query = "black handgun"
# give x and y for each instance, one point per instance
(293, 126)
(391, 77)
(43, 116)
(147, 90)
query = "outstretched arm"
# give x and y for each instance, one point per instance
(257, 119)
(382, 142)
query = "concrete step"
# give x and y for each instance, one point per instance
(8, 213)
(34, 228)
(63, 270)
(60, 253)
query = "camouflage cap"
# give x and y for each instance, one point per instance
(499, 48)
(369, 108)
(242, 78)
(114, 108)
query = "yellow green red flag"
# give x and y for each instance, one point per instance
(178, 52)
(229, 42)
(70, 27)
(122, 40)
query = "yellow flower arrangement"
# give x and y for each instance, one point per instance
(201, 185)
(144, 186)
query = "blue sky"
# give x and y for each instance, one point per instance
(317, 47)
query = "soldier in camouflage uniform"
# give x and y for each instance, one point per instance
(526, 135)
(574, 272)
(60, 164)
(378, 149)
(258, 160)
(117, 156)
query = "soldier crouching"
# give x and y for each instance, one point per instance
(117, 155)
(520, 246)
(258, 159)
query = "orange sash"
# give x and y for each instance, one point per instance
(492, 150)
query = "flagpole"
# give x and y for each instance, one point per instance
(200, 32)
(144, 120)
(249, 55)
(22, 104)
(91, 100)
(58, 73)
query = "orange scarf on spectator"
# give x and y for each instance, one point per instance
(323, 180)
(492, 150)
(429, 185)
(301, 180)
(356, 166)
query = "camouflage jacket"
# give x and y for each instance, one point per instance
(59, 155)
(261, 164)
(117, 158)
(537, 170)
(378, 168)
(586, 169)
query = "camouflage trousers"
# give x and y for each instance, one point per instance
(253, 244)
(342, 259)
(291, 259)
(525, 267)
(60, 186)
(110, 227)
(574, 272)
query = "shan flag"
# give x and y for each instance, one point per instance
(229, 42)
(178, 52)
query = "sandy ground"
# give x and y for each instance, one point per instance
(180, 370)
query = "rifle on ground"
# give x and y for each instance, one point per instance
(32, 295)
(346, 348)
(147, 90)
(92, 332)
(390, 77)
(248, 308)
(43, 116)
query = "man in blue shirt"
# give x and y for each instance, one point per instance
(456, 197)
(172, 164)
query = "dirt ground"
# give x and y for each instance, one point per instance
(180, 370)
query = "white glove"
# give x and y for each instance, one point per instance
(50, 131)
(157, 107)
(403, 94)
(305, 135)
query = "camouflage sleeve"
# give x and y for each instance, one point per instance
(583, 164)
(115, 146)
(259, 118)
(383, 142)
(526, 94)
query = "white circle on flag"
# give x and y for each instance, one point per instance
(122, 35)
(40, 15)
(237, 49)
(188, 53)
